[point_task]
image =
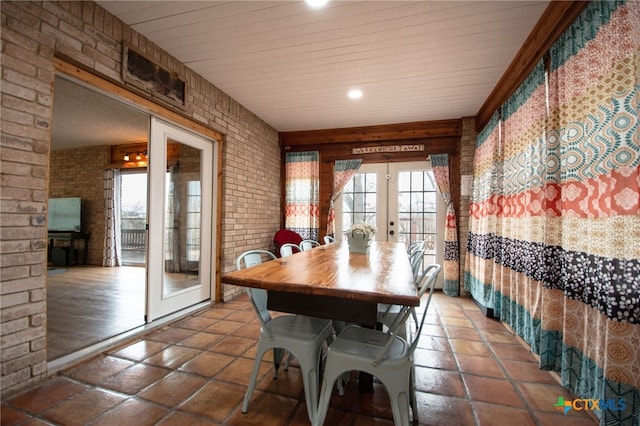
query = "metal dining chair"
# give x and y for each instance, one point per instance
(328, 239)
(416, 258)
(384, 355)
(288, 249)
(303, 337)
(308, 244)
(388, 314)
(414, 246)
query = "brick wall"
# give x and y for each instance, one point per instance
(467, 152)
(32, 33)
(79, 173)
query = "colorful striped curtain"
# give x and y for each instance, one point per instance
(343, 170)
(302, 210)
(553, 246)
(451, 266)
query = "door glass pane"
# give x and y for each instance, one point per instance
(183, 196)
(133, 217)
(359, 200)
(417, 210)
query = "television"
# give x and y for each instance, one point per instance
(64, 214)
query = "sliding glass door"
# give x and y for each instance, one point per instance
(180, 219)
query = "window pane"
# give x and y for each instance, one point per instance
(417, 181)
(404, 182)
(404, 202)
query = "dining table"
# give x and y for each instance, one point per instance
(331, 282)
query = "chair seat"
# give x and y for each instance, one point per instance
(300, 328)
(391, 311)
(350, 345)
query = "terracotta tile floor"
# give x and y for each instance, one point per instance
(470, 370)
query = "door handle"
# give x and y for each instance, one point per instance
(391, 232)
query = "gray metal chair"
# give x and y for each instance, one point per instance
(388, 314)
(303, 337)
(308, 244)
(384, 355)
(288, 249)
(328, 239)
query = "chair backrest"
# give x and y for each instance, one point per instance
(429, 274)
(257, 296)
(285, 236)
(328, 239)
(427, 282)
(308, 244)
(288, 249)
(415, 246)
(417, 259)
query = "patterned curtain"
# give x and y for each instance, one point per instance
(559, 236)
(302, 209)
(173, 247)
(483, 207)
(111, 250)
(343, 170)
(440, 165)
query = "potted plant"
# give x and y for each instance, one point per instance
(359, 237)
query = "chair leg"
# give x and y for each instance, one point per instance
(254, 375)
(278, 353)
(311, 383)
(399, 407)
(412, 395)
(325, 398)
(287, 360)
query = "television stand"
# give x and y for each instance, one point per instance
(63, 249)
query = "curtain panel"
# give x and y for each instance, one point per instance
(451, 267)
(302, 209)
(483, 224)
(111, 250)
(343, 170)
(553, 247)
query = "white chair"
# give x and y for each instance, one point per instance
(308, 244)
(288, 249)
(414, 246)
(388, 314)
(301, 336)
(384, 355)
(328, 239)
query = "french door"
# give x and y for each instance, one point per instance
(400, 200)
(180, 219)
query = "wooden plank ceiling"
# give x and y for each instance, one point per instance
(293, 66)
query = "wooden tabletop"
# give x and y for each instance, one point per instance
(381, 276)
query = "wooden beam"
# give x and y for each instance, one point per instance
(129, 94)
(386, 132)
(556, 18)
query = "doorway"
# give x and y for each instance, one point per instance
(401, 201)
(89, 304)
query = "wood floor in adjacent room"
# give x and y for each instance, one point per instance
(88, 304)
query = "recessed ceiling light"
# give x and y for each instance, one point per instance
(355, 94)
(316, 4)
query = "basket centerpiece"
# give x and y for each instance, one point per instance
(359, 237)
